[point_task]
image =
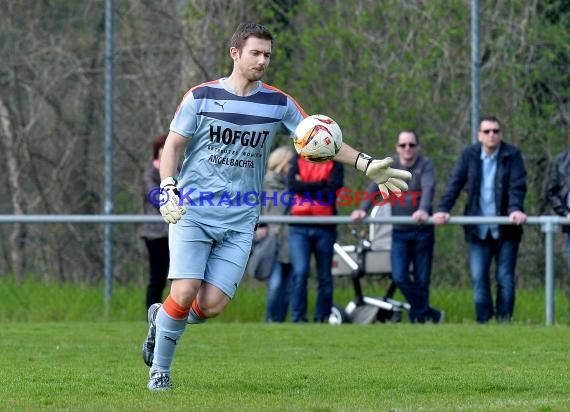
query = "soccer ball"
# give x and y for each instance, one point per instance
(317, 138)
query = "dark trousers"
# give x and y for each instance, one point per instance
(278, 292)
(414, 246)
(304, 241)
(481, 253)
(159, 261)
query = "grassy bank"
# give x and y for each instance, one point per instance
(36, 301)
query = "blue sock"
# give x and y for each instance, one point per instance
(193, 318)
(168, 334)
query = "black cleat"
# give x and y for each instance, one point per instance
(148, 345)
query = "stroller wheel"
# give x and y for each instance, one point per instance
(391, 316)
(396, 317)
(338, 316)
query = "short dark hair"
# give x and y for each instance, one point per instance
(157, 144)
(412, 131)
(487, 118)
(246, 30)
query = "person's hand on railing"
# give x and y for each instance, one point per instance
(518, 217)
(357, 215)
(439, 218)
(420, 216)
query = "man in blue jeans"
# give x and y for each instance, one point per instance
(411, 244)
(314, 186)
(495, 175)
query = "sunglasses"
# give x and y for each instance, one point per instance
(488, 131)
(402, 145)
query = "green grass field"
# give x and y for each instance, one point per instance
(65, 350)
(260, 367)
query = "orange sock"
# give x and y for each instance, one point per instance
(174, 310)
(197, 310)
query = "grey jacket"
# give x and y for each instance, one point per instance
(558, 185)
(151, 231)
(275, 182)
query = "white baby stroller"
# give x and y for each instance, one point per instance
(370, 256)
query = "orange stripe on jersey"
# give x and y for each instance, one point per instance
(192, 89)
(289, 96)
(204, 84)
(174, 310)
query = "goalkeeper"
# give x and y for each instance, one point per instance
(235, 118)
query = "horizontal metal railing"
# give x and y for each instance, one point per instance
(549, 225)
(454, 220)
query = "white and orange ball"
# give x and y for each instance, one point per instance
(318, 138)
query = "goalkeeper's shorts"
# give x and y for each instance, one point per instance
(215, 255)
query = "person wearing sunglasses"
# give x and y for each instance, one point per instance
(412, 245)
(495, 176)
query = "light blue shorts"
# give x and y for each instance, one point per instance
(215, 255)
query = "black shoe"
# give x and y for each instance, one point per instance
(438, 317)
(148, 344)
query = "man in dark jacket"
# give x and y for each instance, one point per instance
(495, 176)
(558, 193)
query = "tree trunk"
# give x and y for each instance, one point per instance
(18, 235)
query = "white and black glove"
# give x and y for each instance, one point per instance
(172, 210)
(387, 178)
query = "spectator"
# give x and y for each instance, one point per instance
(558, 195)
(495, 175)
(411, 244)
(274, 186)
(315, 186)
(155, 235)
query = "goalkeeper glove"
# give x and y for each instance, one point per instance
(387, 178)
(171, 211)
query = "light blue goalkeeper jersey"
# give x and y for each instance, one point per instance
(230, 138)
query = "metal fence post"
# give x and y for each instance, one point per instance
(475, 64)
(108, 229)
(549, 228)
